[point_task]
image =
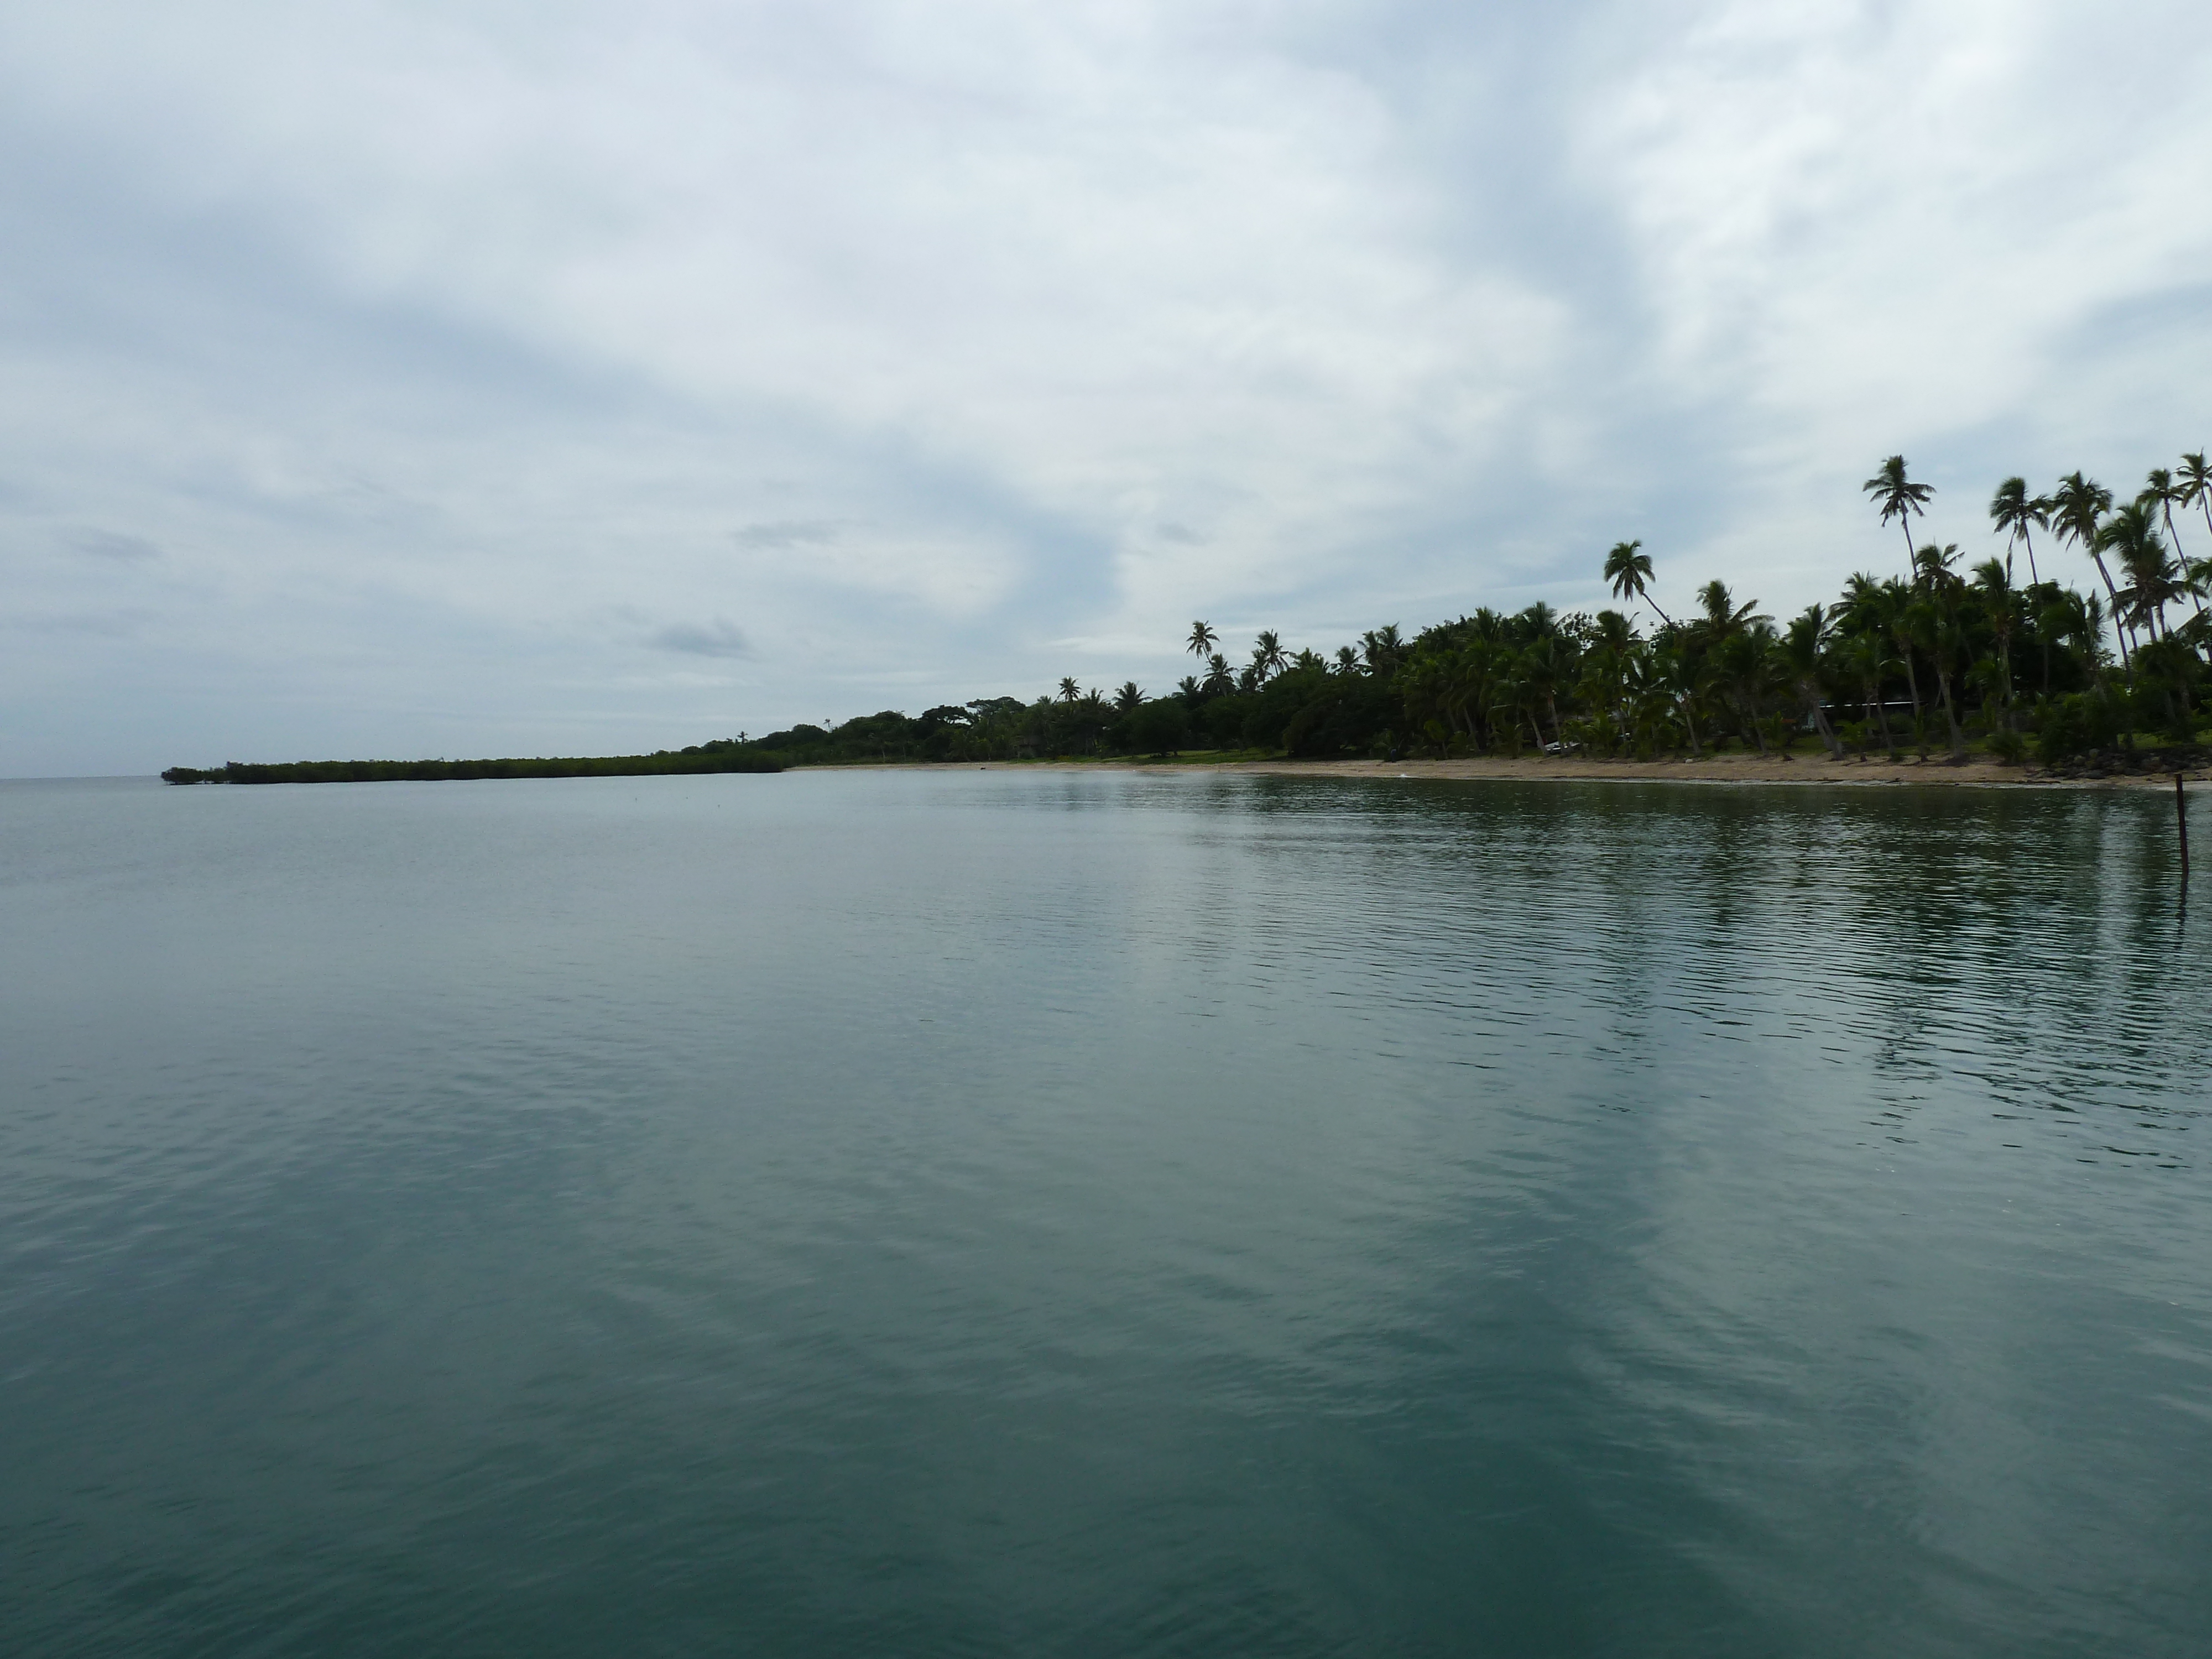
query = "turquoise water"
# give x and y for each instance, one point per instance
(1044, 1214)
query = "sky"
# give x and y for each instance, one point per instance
(489, 378)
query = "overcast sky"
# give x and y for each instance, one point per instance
(557, 376)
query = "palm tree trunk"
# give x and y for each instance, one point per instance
(2120, 626)
(1911, 680)
(1950, 716)
(1881, 715)
(1757, 736)
(1828, 737)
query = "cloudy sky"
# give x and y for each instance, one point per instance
(552, 377)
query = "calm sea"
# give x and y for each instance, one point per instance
(958, 1213)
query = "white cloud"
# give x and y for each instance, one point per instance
(922, 338)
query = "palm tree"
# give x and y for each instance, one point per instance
(1931, 567)
(2159, 490)
(1935, 623)
(1382, 648)
(1802, 651)
(2015, 512)
(2131, 536)
(2196, 485)
(1745, 660)
(1268, 659)
(1896, 618)
(1189, 690)
(1347, 660)
(1202, 640)
(1995, 582)
(1864, 660)
(1630, 571)
(1897, 497)
(2078, 507)
(1683, 680)
(1128, 697)
(1218, 680)
(1069, 690)
(1724, 616)
(2162, 490)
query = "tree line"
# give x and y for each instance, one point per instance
(1942, 653)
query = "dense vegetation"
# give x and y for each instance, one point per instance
(1933, 655)
(704, 757)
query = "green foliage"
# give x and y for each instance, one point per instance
(2076, 724)
(1159, 727)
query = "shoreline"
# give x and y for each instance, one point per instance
(1717, 769)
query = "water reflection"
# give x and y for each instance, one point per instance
(984, 1212)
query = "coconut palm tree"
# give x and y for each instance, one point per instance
(1724, 616)
(1936, 626)
(1219, 681)
(2078, 507)
(1189, 690)
(1683, 678)
(1865, 661)
(2195, 484)
(1202, 640)
(1629, 571)
(1745, 660)
(2165, 492)
(2131, 535)
(2160, 491)
(1128, 697)
(1803, 647)
(1069, 690)
(1994, 582)
(1897, 497)
(1897, 619)
(1347, 660)
(2016, 514)
(1267, 658)
(1932, 567)
(1382, 648)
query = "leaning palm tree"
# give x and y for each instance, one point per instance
(1629, 571)
(2131, 535)
(2163, 490)
(1202, 640)
(1897, 497)
(2014, 514)
(2078, 507)
(2195, 484)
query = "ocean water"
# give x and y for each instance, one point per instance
(1043, 1213)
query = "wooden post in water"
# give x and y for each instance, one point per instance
(2181, 823)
